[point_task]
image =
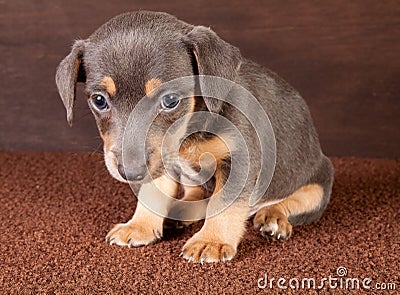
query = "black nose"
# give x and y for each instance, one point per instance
(132, 174)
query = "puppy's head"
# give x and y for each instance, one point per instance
(128, 58)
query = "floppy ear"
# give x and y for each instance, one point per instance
(69, 72)
(214, 57)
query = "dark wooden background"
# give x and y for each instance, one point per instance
(343, 56)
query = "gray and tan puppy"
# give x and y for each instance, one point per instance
(134, 53)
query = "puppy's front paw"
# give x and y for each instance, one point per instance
(133, 234)
(272, 224)
(203, 250)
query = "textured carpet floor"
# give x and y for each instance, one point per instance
(56, 209)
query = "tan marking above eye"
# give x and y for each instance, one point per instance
(109, 85)
(151, 85)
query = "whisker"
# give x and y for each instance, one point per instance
(83, 116)
(96, 149)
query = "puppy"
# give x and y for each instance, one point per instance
(134, 54)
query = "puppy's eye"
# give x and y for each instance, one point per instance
(169, 101)
(99, 102)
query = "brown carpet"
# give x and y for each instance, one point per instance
(56, 209)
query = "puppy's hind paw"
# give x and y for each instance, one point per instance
(272, 224)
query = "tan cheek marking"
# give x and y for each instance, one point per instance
(107, 139)
(192, 104)
(109, 85)
(155, 161)
(151, 85)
